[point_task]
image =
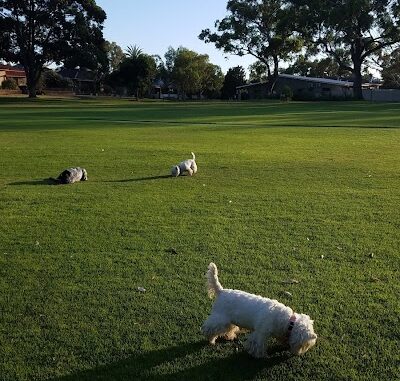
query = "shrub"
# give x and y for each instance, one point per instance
(53, 80)
(286, 93)
(9, 84)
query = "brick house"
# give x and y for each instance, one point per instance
(12, 72)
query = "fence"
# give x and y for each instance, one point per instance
(381, 95)
(6, 92)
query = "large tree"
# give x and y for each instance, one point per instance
(391, 70)
(115, 55)
(235, 76)
(136, 73)
(192, 73)
(261, 28)
(258, 72)
(35, 33)
(350, 30)
(212, 81)
(324, 67)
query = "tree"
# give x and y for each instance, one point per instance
(212, 81)
(350, 30)
(135, 73)
(391, 70)
(234, 77)
(192, 73)
(115, 55)
(258, 72)
(261, 28)
(35, 33)
(53, 80)
(94, 58)
(325, 67)
(170, 57)
(133, 51)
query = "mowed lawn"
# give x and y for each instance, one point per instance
(305, 191)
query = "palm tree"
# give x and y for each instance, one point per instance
(133, 51)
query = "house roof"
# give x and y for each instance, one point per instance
(15, 73)
(13, 67)
(327, 81)
(251, 85)
(5, 67)
(77, 74)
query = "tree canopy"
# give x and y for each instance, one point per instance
(115, 55)
(261, 28)
(324, 67)
(235, 76)
(349, 31)
(135, 73)
(391, 69)
(258, 72)
(35, 33)
(192, 73)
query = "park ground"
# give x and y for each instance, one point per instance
(304, 191)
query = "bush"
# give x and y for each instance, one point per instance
(9, 84)
(286, 93)
(107, 90)
(53, 80)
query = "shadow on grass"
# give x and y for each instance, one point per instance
(48, 181)
(39, 100)
(146, 367)
(140, 179)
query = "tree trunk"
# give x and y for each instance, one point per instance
(32, 91)
(357, 81)
(31, 81)
(272, 77)
(356, 54)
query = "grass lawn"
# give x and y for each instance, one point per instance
(309, 191)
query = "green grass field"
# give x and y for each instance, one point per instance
(279, 185)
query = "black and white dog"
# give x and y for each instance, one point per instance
(72, 175)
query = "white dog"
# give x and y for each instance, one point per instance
(188, 166)
(265, 318)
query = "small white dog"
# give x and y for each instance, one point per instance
(188, 166)
(265, 318)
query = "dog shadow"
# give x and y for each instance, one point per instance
(48, 181)
(140, 179)
(236, 367)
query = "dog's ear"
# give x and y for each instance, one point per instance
(84, 175)
(175, 171)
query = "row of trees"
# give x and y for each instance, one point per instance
(37, 33)
(352, 33)
(188, 72)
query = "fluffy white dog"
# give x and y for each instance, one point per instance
(265, 318)
(188, 166)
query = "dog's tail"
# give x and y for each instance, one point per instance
(213, 285)
(193, 156)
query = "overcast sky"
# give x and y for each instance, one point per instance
(154, 25)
